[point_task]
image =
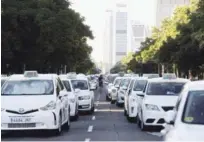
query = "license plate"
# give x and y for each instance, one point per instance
(20, 119)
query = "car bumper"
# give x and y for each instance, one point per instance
(132, 110)
(154, 118)
(84, 105)
(73, 109)
(120, 99)
(114, 96)
(41, 120)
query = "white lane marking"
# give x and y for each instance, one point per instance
(90, 128)
(87, 140)
(96, 109)
(93, 118)
(155, 134)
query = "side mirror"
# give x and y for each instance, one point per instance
(169, 118)
(77, 90)
(140, 94)
(124, 88)
(62, 94)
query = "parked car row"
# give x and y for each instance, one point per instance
(33, 101)
(172, 103)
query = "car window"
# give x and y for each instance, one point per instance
(117, 82)
(194, 108)
(2, 81)
(61, 84)
(131, 84)
(139, 85)
(67, 85)
(125, 83)
(80, 84)
(28, 87)
(164, 88)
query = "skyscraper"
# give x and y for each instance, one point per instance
(165, 8)
(121, 32)
(108, 42)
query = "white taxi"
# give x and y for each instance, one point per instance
(4, 78)
(114, 89)
(72, 96)
(159, 96)
(136, 86)
(125, 81)
(186, 121)
(33, 101)
(84, 92)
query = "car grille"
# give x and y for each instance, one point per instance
(167, 108)
(21, 125)
(161, 121)
(26, 112)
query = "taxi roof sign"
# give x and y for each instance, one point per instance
(169, 76)
(30, 74)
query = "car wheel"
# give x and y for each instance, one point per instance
(107, 99)
(143, 127)
(125, 112)
(112, 101)
(76, 116)
(67, 124)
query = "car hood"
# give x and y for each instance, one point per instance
(161, 100)
(26, 102)
(187, 133)
(83, 93)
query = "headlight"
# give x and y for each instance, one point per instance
(50, 106)
(151, 107)
(84, 98)
(2, 109)
(114, 90)
(72, 100)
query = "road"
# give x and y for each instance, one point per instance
(106, 124)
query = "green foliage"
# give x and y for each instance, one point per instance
(178, 43)
(119, 67)
(43, 35)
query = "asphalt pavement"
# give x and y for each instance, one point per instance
(107, 123)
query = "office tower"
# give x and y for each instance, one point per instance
(108, 42)
(165, 8)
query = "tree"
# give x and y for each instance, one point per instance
(43, 35)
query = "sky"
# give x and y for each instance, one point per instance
(94, 13)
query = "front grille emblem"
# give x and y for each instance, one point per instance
(21, 110)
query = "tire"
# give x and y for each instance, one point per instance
(76, 116)
(67, 124)
(131, 119)
(125, 112)
(112, 101)
(107, 99)
(58, 131)
(143, 127)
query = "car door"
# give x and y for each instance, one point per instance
(64, 101)
(128, 93)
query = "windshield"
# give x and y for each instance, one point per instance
(2, 81)
(125, 83)
(67, 85)
(139, 85)
(28, 87)
(164, 88)
(194, 108)
(117, 82)
(80, 84)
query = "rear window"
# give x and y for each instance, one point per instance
(67, 85)
(80, 84)
(139, 85)
(28, 87)
(164, 88)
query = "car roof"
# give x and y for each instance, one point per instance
(4, 77)
(195, 85)
(160, 79)
(39, 77)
